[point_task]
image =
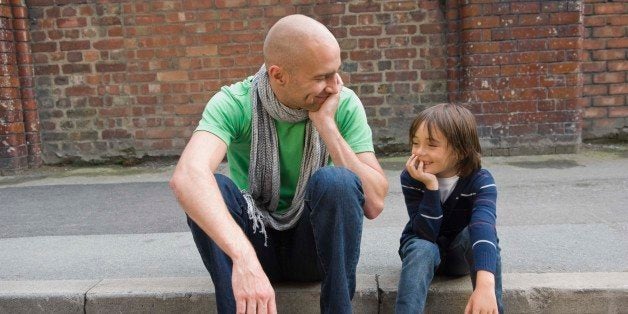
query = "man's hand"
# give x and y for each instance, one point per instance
(328, 108)
(251, 288)
(483, 299)
(415, 169)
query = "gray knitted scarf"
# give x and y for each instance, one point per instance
(264, 179)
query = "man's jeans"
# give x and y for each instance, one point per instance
(324, 244)
(421, 258)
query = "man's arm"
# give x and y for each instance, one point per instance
(364, 165)
(195, 187)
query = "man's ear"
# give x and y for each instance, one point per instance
(277, 74)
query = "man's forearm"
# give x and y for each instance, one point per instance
(374, 182)
(199, 196)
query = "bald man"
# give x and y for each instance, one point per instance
(302, 176)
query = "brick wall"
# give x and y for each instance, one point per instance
(516, 64)
(130, 78)
(605, 67)
(19, 122)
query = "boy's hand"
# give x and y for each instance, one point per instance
(415, 169)
(483, 299)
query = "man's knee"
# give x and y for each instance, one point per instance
(335, 182)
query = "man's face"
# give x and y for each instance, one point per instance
(312, 80)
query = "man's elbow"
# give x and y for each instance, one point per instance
(175, 183)
(178, 180)
(372, 210)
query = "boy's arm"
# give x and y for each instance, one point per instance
(424, 208)
(484, 244)
(483, 299)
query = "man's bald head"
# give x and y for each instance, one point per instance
(293, 37)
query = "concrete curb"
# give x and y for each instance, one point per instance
(523, 293)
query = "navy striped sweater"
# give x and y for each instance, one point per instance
(471, 203)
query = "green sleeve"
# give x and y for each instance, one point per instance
(352, 123)
(224, 115)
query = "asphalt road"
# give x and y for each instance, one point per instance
(556, 214)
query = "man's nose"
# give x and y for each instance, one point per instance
(333, 86)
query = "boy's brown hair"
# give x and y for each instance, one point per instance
(457, 124)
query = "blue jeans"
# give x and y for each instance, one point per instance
(324, 244)
(422, 258)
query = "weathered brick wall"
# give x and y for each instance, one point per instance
(19, 122)
(516, 64)
(605, 69)
(132, 78)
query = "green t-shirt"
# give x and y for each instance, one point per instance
(228, 116)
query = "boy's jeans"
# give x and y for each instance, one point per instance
(324, 244)
(421, 258)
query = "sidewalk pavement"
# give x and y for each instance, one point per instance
(113, 239)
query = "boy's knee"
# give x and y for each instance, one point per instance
(421, 249)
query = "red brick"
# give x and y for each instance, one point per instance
(609, 31)
(615, 54)
(44, 47)
(402, 53)
(617, 43)
(607, 101)
(360, 55)
(367, 6)
(609, 77)
(365, 77)
(599, 66)
(75, 45)
(431, 28)
(111, 67)
(593, 112)
(433, 75)
(524, 7)
(47, 69)
(533, 19)
(590, 90)
(618, 89)
(79, 91)
(401, 76)
(365, 31)
(595, 20)
(481, 22)
(233, 49)
(400, 5)
(532, 45)
(562, 68)
(608, 8)
(563, 92)
(71, 22)
(477, 48)
(76, 68)
(109, 44)
(618, 112)
(619, 20)
(565, 43)
(469, 10)
(565, 18)
(618, 65)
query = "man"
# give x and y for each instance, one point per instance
(283, 214)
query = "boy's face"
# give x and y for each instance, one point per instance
(436, 154)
